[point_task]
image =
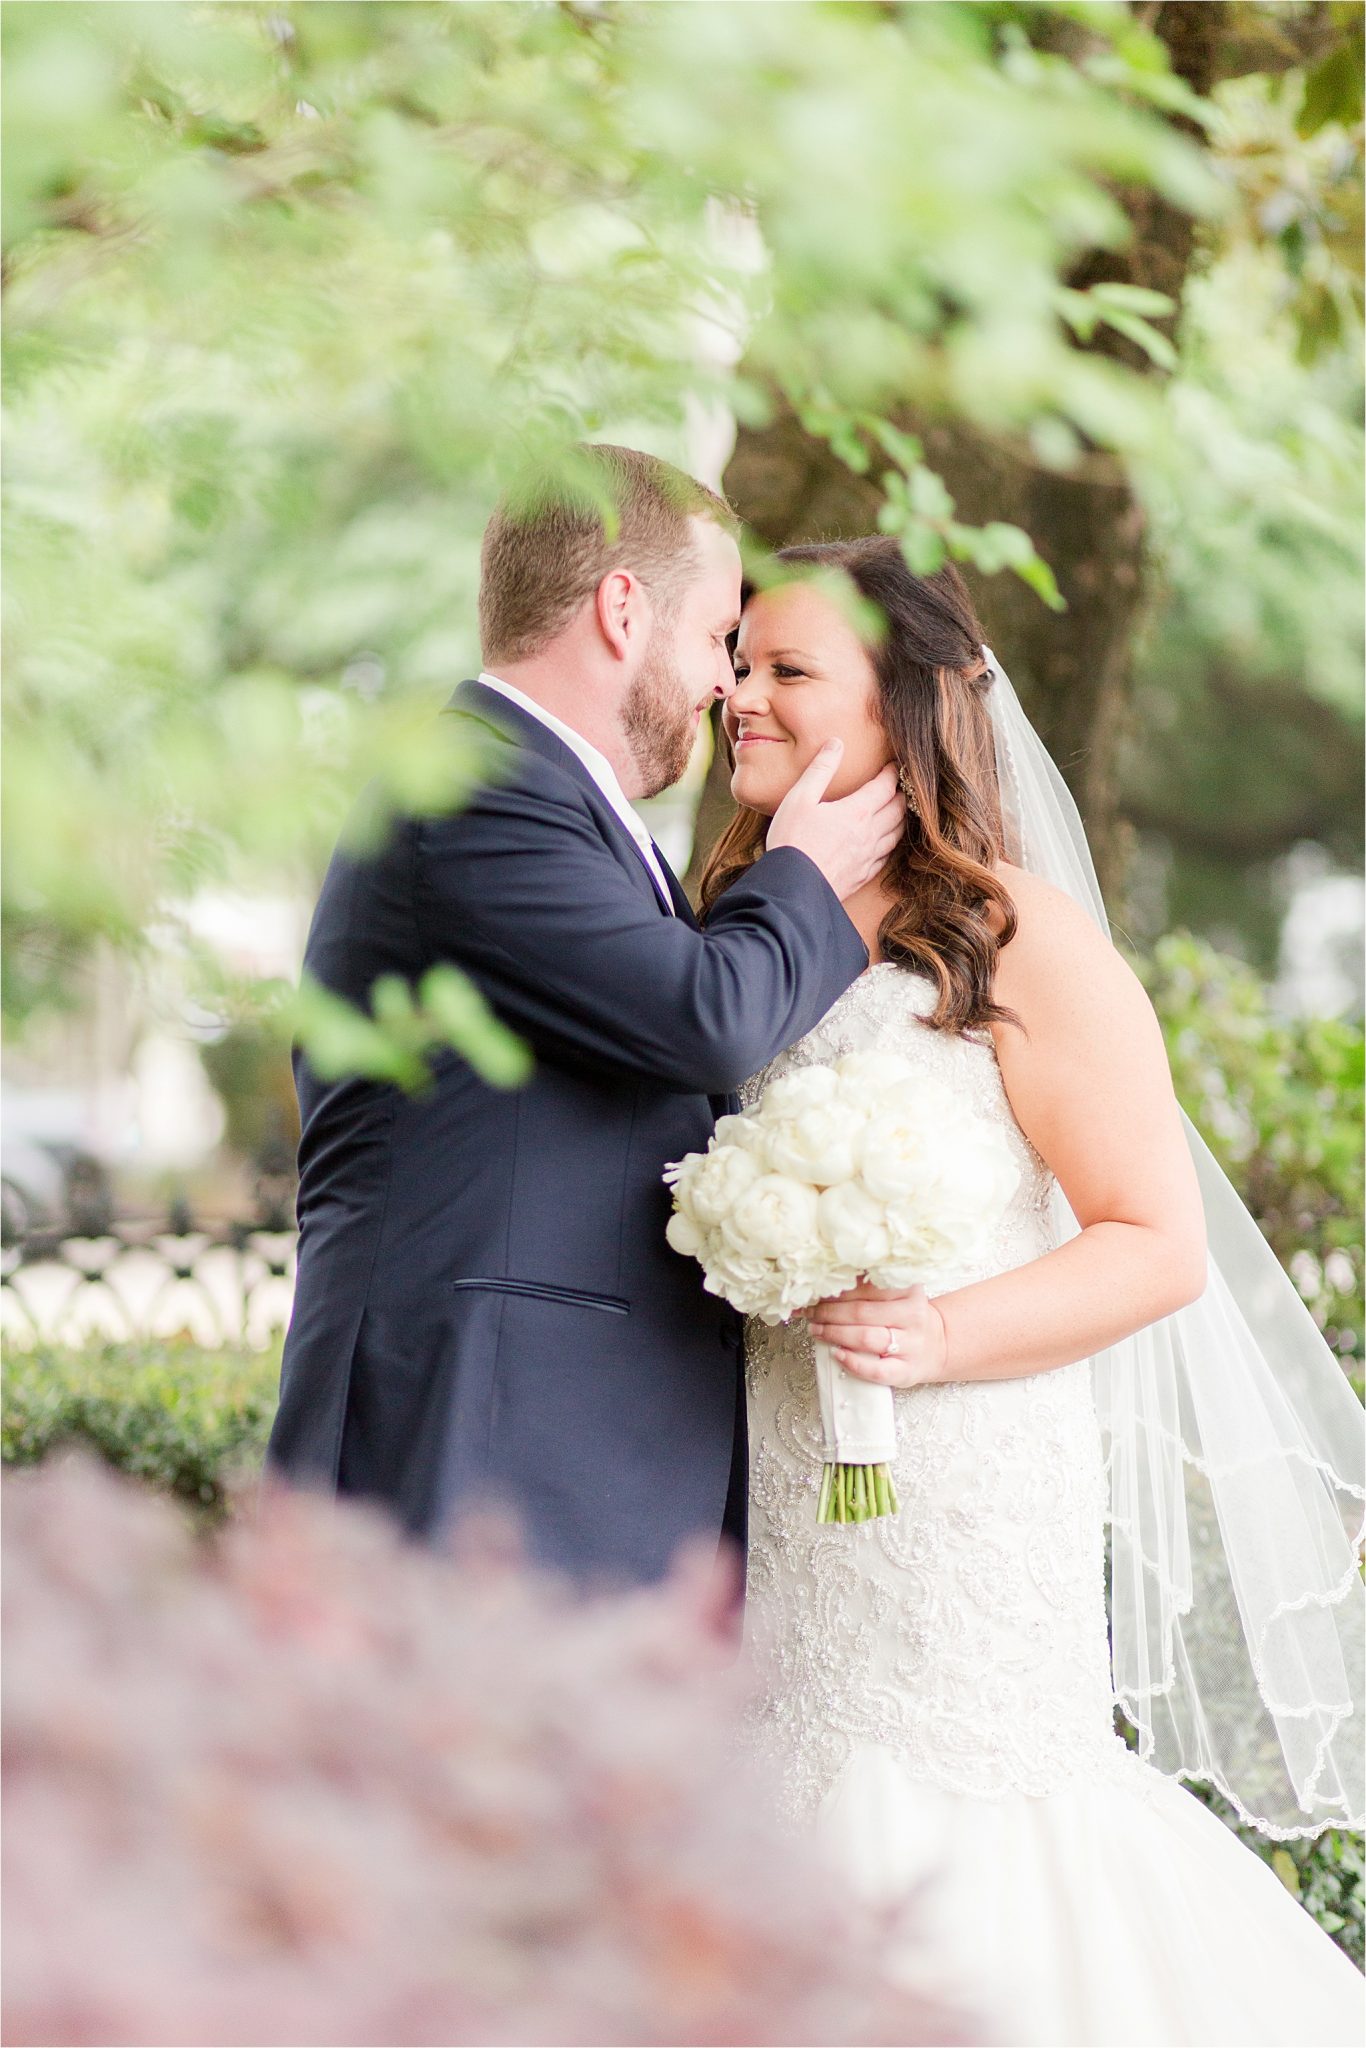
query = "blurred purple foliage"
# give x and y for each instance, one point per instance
(304, 1782)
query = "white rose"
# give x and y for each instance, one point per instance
(819, 1144)
(713, 1186)
(981, 1174)
(915, 1253)
(945, 1219)
(776, 1219)
(896, 1153)
(744, 1131)
(685, 1234)
(797, 1292)
(854, 1227)
(993, 1163)
(793, 1093)
(748, 1284)
(980, 1162)
(874, 1073)
(790, 1287)
(927, 1246)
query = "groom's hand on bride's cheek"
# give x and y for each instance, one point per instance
(892, 1336)
(849, 838)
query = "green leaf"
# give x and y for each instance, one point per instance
(1154, 344)
(1041, 580)
(840, 429)
(998, 546)
(924, 550)
(1132, 298)
(1333, 89)
(1079, 310)
(928, 494)
(903, 448)
(1123, 307)
(460, 1012)
(894, 513)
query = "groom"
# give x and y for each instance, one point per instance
(486, 1305)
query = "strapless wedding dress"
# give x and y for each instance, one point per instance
(935, 1697)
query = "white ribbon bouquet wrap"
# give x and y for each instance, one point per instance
(856, 1170)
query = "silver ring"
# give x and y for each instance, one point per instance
(893, 1346)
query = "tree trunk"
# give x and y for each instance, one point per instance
(1072, 669)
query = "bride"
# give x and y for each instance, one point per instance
(938, 1687)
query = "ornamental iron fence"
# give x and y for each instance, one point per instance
(224, 1283)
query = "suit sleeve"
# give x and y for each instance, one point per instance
(521, 891)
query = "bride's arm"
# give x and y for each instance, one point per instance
(1091, 1088)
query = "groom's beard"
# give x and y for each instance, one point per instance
(657, 717)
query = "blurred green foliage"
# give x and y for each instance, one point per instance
(255, 1086)
(1245, 731)
(293, 291)
(1280, 1103)
(186, 1420)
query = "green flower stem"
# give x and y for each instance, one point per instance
(856, 1493)
(827, 1488)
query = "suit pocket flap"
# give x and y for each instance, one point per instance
(545, 1290)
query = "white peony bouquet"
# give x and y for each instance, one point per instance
(860, 1170)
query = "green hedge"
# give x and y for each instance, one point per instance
(1280, 1102)
(184, 1419)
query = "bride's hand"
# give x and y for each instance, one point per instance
(863, 1326)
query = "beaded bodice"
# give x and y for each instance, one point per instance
(967, 1632)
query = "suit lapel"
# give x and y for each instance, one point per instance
(677, 893)
(721, 1105)
(475, 699)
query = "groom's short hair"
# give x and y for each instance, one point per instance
(547, 547)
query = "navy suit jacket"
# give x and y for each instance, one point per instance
(486, 1306)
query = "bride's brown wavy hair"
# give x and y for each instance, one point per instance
(932, 685)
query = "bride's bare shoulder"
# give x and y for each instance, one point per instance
(1042, 912)
(1058, 953)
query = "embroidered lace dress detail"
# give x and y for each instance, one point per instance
(967, 1633)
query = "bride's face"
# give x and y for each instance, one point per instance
(803, 676)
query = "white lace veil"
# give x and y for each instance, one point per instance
(1234, 1448)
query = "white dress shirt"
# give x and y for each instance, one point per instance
(598, 766)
